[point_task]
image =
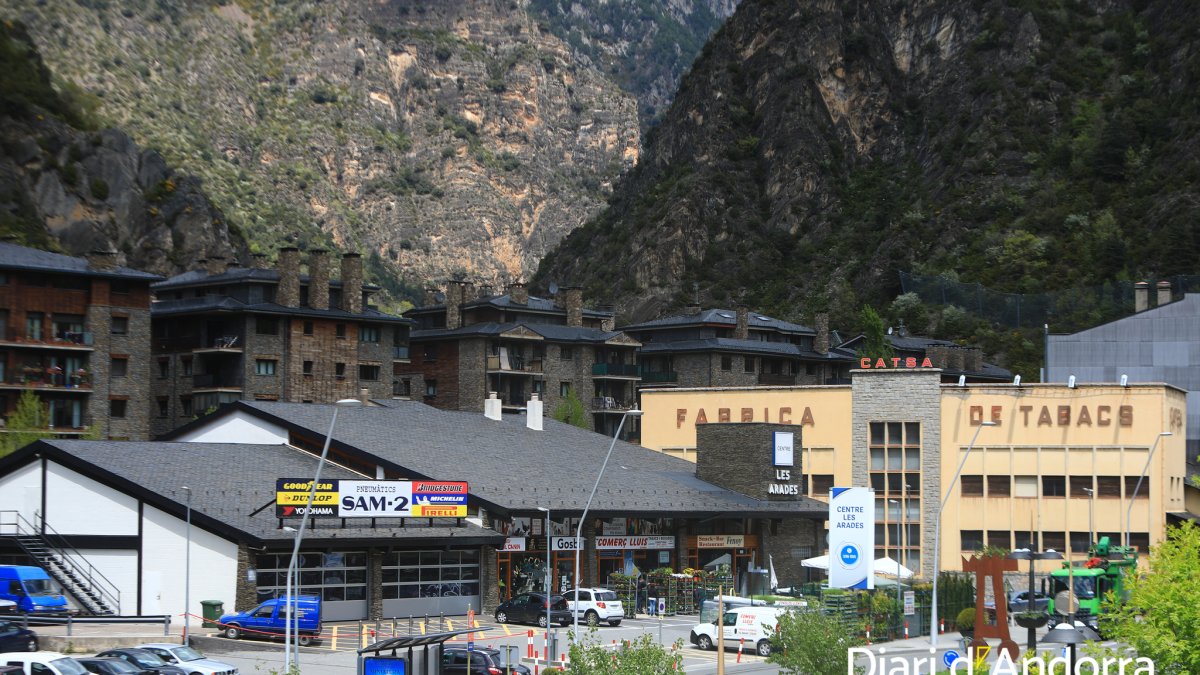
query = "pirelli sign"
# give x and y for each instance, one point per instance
(371, 498)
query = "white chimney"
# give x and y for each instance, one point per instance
(533, 413)
(491, 407)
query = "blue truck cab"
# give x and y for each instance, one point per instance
(267, 620)
(32, 589)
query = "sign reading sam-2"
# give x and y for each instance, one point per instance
(373, 498)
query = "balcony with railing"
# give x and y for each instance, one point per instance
(777, 379)
(512, 363)
(222, 344)
(68, 340)
(625, 371)
(660, 377)
(609, 404)
(210, 381)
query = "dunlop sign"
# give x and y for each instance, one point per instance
(372, 498)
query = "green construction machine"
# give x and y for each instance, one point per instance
(1105, 570)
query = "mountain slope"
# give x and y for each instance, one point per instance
(816, 149)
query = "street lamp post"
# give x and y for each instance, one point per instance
(289, 629)
(899, 550)
(937, 535)
(548, 584)
(1030, 597)
(1091, 493)
(187, 571)
(1136, 488)
(579, 530)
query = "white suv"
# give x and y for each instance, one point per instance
(596, 605)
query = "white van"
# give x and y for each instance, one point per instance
(43, 663)
(754, 625)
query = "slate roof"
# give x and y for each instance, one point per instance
(13, 256)
(719, 316)
(224, 303)
(739, 346)
(916, 344)
(517, 469)
(535, 304)
(200, 278)
(230, 483)
(554, 332)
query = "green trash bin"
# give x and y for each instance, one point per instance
(213, 609)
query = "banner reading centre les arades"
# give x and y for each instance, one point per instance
(852, 538)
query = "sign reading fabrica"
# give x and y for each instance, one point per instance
(852, 538)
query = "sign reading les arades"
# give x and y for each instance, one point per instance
(852, 538)
(372, 498)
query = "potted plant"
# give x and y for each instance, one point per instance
(1031, 619)
(965, 622)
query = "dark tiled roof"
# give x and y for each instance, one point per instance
(233, 275)
(519, 469)
(910, 344)
(726, 317)
(218, 303)
(230, 482)
(535, 304)
(738, 346)
(553, 332)
(13, 256)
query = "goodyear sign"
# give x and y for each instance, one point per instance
(372, 498)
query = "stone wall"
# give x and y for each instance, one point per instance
(739, 457)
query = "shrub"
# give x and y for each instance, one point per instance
(99, 189)
(965, 619)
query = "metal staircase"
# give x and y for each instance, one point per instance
(94, 593)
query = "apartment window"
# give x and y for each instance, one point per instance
(369, 373)
(972, 486)
(186, 364)
(116, 408)
(999, 486)
(539, 387)
(566, 353)
(120, 325)
(1138, 540)
(431, 388)
(1025, 486)
(1080, 541)
(1080, 486)
(368, 334)
(1054, 540)
(164, 368)
(339, 330)
(564, 389)
(264, 366)
(119, 286)
(749, 364)
(1110, 486)
(1131, 484)
(1000, 538)
(339, 371)
(33, 325)
(972, 540)
(185, 406)
(430, 352)
(402, 387)
(726, 362)
(822, 483)
(164, 406)
(1054, 486)
(308, 328)
(1025, 539)
(308, 365)
(119, 367)
(266, 325)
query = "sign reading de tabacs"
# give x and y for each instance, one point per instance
(372, 498)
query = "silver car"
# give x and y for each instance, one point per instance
(190, 660)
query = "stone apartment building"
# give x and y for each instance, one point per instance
(224, 333)
(76, 332)
(470, 342)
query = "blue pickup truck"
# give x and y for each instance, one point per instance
(268, 620)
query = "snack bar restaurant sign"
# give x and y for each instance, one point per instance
(372, 498)
(852, 538)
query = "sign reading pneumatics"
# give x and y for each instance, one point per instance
(852, 538)
(372, 498)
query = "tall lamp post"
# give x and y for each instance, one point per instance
(937, 535)
(289, 631)
(548, 584)
(187, 571)
(1031, 597)
(1091, 493)
(899, 550)
(579, 530)
(1136, 488)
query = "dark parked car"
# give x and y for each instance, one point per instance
(111, 665)
(483, 661)
(531, 608)
(13, 638)
(145, 660)
(1018, 601)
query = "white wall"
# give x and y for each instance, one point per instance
(214, 567)
(238, 427)
(119, 567)
(76, 504)
(20, 491)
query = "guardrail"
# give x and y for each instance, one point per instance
(70, 621)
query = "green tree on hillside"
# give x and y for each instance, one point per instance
(571, 411)
(875, 344)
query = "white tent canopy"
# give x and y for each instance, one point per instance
(884, 565)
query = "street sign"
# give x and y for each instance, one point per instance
(910, 603)
(949, 658)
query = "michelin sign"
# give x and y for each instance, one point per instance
(852, 538)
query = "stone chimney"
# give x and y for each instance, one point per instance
(939, 355)
(573, 302)
(215, 265)
(318, 278)
(430, 297)
(454, 300)
(259, 261)
(352, 283)
(485, 291)
(288, 264)
(469, 292)
(102, 261)
(691, 310)
(364, 396)
(1141, 296)
(1164, 293)
(518, 293)
(533, 413)
(742, 330)
(973, 362)
(821, 340)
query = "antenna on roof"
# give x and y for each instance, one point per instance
(553, 288)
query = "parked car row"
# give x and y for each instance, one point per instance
(147, 659)
(595, 605)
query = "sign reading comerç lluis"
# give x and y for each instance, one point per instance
(372, 498)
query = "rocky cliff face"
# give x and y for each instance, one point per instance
(438, 137)
(818, 148)
(94, 190)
